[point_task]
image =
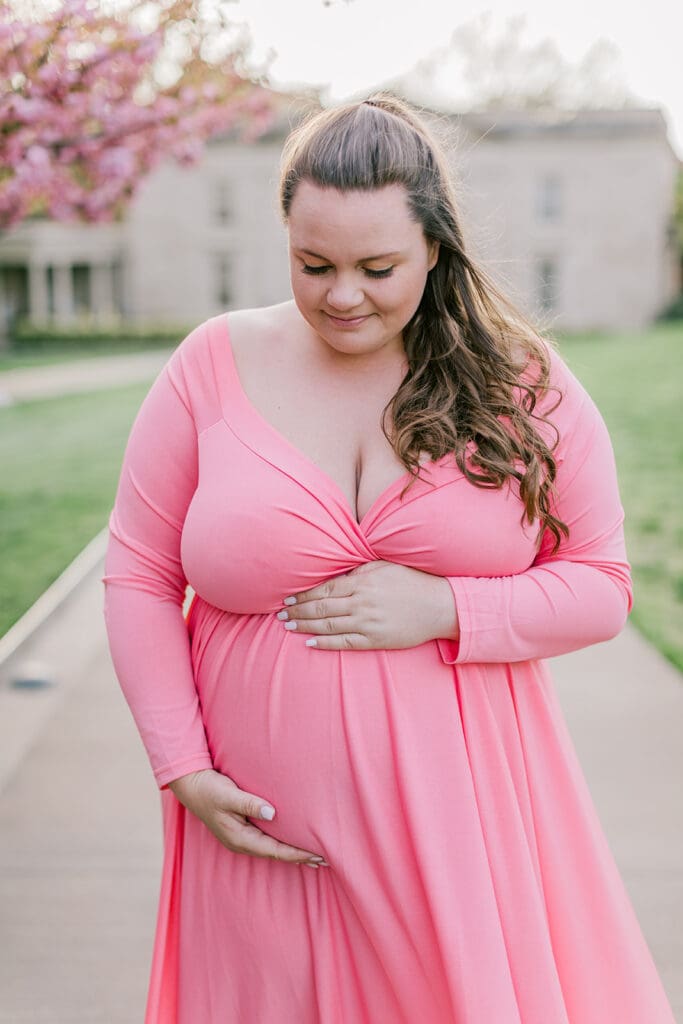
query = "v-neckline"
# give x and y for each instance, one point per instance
(331, 483)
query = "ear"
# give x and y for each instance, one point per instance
(433, 254)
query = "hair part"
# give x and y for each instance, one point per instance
(477, 366)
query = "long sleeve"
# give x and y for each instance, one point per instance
(579, 596)
(144, 580)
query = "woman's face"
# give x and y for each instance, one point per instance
(359, 264)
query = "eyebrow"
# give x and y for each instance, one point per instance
(365, 259)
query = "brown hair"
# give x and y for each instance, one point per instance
(469, 350)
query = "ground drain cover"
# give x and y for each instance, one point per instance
(31, 676)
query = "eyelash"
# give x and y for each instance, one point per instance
(371, 273)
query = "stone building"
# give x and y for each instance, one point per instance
(574, 212)
(571, 212)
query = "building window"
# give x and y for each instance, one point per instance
(14, 295)
(81, 284)
(547, 283)
(118, 287)
(223, 280)
(50, 274)
(549, 198)
(222, 207)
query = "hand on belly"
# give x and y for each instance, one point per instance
(377, 605)
(225, 809)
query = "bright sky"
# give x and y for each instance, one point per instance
(356, 45)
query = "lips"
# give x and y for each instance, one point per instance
(348, 321)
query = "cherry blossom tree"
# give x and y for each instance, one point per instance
(92, 99)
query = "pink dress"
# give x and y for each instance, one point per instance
(470, 880)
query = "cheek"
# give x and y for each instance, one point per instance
(306, 290)
(404, 296)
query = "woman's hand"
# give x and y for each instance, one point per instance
(376, 605)
(224, 808)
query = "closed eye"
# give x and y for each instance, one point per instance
(379, 273)
(314, 270)
(307, 269)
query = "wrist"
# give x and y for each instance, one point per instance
(445, 614)
(185, 785)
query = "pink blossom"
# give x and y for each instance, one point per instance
(38, 156)
(48, 75)
(118, 161)
(74, 137)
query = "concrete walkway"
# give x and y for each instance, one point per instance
(80, 835)
(94, 373)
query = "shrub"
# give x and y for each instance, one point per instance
(674, 311)
(30, 335)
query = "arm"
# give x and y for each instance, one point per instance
(579, 596)
(144, 596)
(144, 580)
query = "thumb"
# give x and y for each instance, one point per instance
(254, 806)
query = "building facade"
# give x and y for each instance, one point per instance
(574, 213)
(571, 213)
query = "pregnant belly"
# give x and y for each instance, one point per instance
(333, 739)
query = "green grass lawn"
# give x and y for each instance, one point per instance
(637, 382)
(61, 459)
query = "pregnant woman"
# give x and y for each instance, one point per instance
(392, 500)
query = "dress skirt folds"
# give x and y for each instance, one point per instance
(470, 881)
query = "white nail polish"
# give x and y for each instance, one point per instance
(289, 600)
(290, 625)
(267, 812)
(282, 615)
(311, 642)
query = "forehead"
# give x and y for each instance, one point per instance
(323, 219)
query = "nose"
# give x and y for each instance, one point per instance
(344, 295)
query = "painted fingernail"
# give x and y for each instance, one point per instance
(312, 642)
(309, 865)
(289, 600)
(290, 625)
(282, 615)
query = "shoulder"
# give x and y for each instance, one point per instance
(577, 405)
(570, 413)
(246, 332)
(257, 329)
(236, 327)
(562, 383)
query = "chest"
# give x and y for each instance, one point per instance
(265, 521)
(333, 420)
